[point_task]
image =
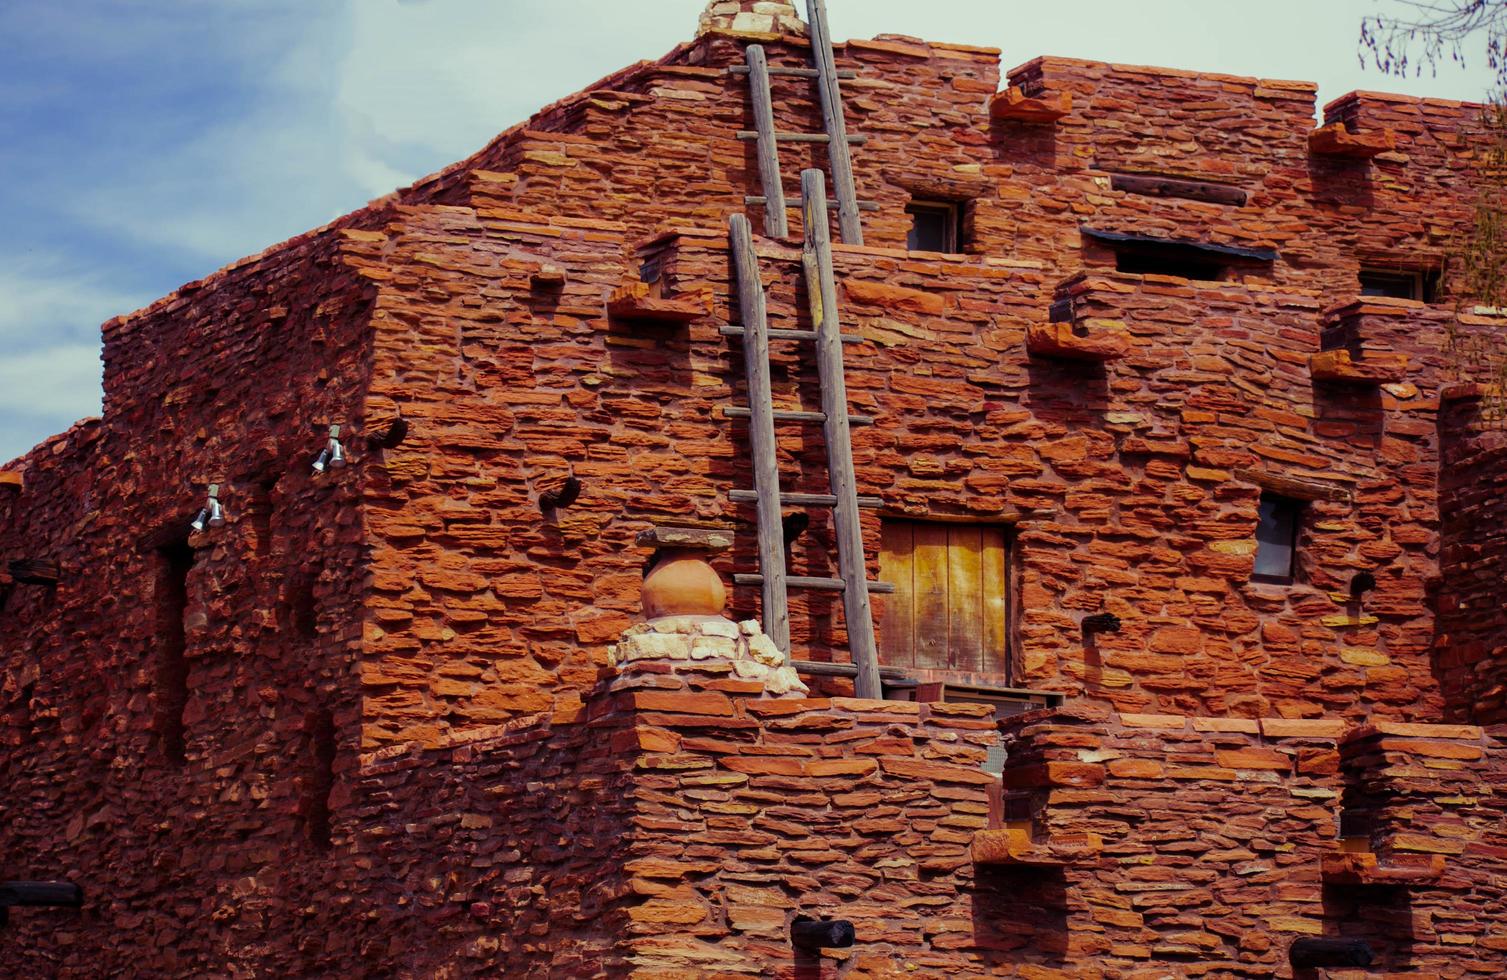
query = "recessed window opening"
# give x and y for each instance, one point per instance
(1277, 526)
(320, 778)
(303, 609)
(174, 562)
(1415, 285)
(936, 226)
(950, 606)
(259, 511)
(1167, 262)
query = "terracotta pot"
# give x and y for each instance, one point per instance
(683, 584)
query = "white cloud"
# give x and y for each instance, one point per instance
(45, 391)
(42, 300)
(61, 382)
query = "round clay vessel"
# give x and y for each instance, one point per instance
(683, 584)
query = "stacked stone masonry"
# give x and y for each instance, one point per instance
(397, 720)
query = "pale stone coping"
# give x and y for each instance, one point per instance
(692, 641)
(1299, 727)
(1298, 86)
(712, 539)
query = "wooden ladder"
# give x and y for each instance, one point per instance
(821, 290)
(825, 74)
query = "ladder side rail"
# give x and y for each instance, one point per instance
(776, 225)
(821, 290)
(776, 612)
(833, 119)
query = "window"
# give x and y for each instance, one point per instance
(302, 606)
(1277, 538)
(935, 227)
(1420, 286)
(1166, 262)
(949, 608)
(319, 778)
(174, 562)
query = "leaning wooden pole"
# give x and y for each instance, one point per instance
(833, 120)
(761, 432)
(775, 222)
(821, 292)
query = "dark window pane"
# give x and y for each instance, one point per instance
(1276, 538)
(1154, 263)
(933, 228)
(1398, 285)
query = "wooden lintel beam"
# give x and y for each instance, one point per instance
(34, 571)
(1295, 487)
(1193, 190)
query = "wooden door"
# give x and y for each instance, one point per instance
(949, 608)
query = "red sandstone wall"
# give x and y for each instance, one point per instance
(228, 380)
(447, 603)
(515, 385)
(1472, 648)
(1215, 829)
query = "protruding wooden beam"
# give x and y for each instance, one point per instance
(34, 571)
(1295, 487)
(1192, 190)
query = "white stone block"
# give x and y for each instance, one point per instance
(720, 627)
(764, 651)
(750, 670)
(784, 680)
(713, 648)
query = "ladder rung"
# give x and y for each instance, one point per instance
(737, 331)
(803, 499)
(784, 416)
(808, 582)
(792, 72)
(797, 200)
(856, 139)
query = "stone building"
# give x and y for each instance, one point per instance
(1185, 499)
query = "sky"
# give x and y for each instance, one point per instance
(147, 143)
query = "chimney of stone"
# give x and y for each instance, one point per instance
(752, 17)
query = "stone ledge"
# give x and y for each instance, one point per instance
(633, 302)
(1336, 141)
(1366, 868)
(711, 539)
(1372, 369)
(1014, 846)
(1014, 105)
(1087, 340)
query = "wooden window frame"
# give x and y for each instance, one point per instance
(1421, 285)
(953, 229)
(1297, 509)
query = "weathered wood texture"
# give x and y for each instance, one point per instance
(761, 435)
(821, 293)
(834, 121)
(776, 223)
(1192, 190)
